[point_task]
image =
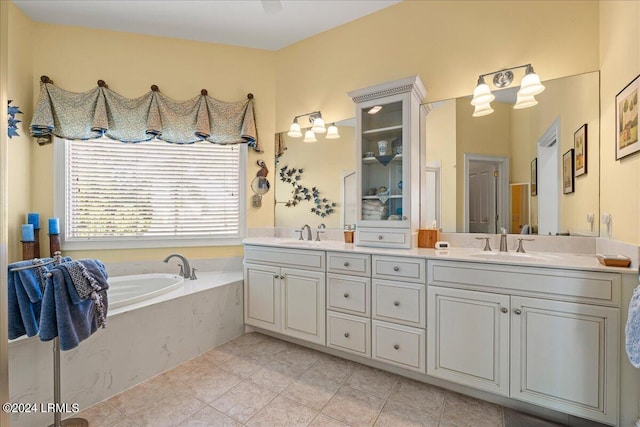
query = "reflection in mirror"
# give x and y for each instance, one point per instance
(311, 178)
(458, 146)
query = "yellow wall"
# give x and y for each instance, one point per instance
(619, 65)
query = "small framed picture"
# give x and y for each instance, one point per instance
(534, 177)
(627, 120)
(580, 147)
(567, 172)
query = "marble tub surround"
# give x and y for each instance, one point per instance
(309, 388)
(140, 341)
(126, 268)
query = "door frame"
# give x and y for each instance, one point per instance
(503, 187)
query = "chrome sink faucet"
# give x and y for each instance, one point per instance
(320, 229)
(309, 237)
(503, 240)
(185, 269)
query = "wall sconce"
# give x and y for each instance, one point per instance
(317, 126)
(529, 87)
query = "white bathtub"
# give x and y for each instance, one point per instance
(126, 290)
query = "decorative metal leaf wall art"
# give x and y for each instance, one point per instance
(322, 206)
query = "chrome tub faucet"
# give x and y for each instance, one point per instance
(185, 267)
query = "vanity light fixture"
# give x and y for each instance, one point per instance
(317, 126)
(529, 87)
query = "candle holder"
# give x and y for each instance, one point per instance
(28, 250)
(54, 244)
(36, 235)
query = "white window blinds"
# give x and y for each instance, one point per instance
(152, 191)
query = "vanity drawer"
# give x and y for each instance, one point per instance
(394, 268)
(358, 264)
(558, 284)
(385, 238)
(296, 258)
(349, 333)
(349, 294)
(399, 302)
(399, 345)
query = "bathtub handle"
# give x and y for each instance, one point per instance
(181, 270)
(193, 274)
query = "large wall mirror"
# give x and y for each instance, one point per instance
(461, 192)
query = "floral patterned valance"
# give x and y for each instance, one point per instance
(102, 112)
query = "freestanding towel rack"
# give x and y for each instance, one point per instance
(57, 395)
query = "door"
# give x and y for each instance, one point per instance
(262, 296)
(563, 356)
(519, 207)
(482, 197)
(468, 338)
(303, 303)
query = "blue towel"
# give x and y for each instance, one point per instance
(25, 291)
(632, 329)
(67, 315)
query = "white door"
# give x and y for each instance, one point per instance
(468, 338)
(482, 197)
(563, 356)
(262, 296)
(303, 296)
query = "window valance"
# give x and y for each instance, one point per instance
(102, 112)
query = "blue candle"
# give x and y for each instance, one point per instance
(33, 218)
(54, 226)
(27, 233)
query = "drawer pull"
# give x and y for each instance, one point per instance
(517, 311)
(346, 334)
(504, 309)
(346, 264)
(396, 303)
(276, 276)
(396, 268)
(380, 237)
(346, 295)
(396, 346)
(282, 277)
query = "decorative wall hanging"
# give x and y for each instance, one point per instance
(13, 122)
(567, 172)
(322, 206)
(627, 120)
(580, 147)
(534, 177)
(102, 112)
(260, 184)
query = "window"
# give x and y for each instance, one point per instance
(115, 195)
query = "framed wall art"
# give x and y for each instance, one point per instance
(567, 172)
(627, 120)
(580, 147)
(534, 177)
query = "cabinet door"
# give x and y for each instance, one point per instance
(563, 356)
(262, 296)
(303, 305)
(468, 338)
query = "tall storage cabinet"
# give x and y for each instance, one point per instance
(388, 169)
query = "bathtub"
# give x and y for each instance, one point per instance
(127, 290)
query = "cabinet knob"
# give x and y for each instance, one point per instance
(517, 311)
(396, 268)
(346, 264)
(346, 295)
(346, 334)
(276, 276)
(396, 346)
(282, 277)
(504, 309)
(380, 237)
(396, 303)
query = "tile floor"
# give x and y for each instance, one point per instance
(256, 380)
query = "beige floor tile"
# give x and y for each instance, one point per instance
(270, 347)
(218, 356)
(299, 356)
(354, 407)
(169, 410)
(209, 417)
(371, 380)
(276, 376)
(205, 382)
(395, 415)
(312, 389)
(245, 366)
(244, 401)
(323, 421)
(334, 368)
(139, 397)
(101, 415)
(417, 395)
(465, 411)
(283, 412)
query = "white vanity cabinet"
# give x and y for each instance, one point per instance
(491, 328)
(388, 170)
(283, 299)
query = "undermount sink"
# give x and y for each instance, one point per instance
(515, 256)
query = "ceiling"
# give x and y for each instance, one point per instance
(263, 24)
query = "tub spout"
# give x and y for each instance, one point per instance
(184, 272)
